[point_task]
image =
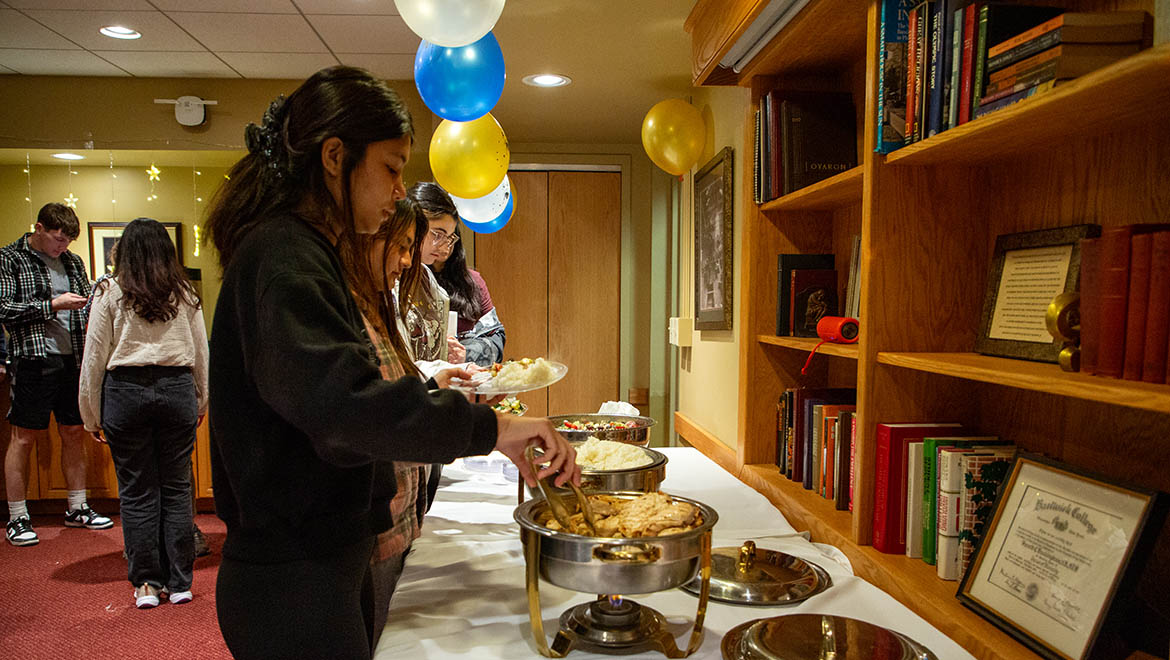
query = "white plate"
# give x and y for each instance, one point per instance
(481, 383)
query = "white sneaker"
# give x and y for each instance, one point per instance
(180, 597)
(19, 532)
(145, 597)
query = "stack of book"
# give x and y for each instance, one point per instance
(816, 437)
(1064, 47)
(801, 138)
(1125, 303)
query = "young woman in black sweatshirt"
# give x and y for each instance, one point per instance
(302, 425)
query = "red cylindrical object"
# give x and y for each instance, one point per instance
(838, 329)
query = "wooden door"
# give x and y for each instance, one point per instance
(514, 265)
(584, 274)
(100, 480)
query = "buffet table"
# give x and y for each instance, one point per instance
(462, 594)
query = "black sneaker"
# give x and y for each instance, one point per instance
(20, 532)
(87, 518)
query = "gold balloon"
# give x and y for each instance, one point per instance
(673, 134)
(469, 158)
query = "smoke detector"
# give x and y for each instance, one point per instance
(188, 109)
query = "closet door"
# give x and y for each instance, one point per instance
(584, 274)
(514, 264)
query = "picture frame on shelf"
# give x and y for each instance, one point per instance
(1028, 270)
(1056, 553)
(714, 232)
(103, 236)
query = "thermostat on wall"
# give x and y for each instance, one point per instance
(188, 109)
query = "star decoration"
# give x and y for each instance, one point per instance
(152, 173)
(71, 201)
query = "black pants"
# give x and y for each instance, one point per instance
(312, 608)
(149, 416)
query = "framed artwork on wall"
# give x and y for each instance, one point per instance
(714, 225)
(104, 235)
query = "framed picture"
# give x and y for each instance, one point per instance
(1028, 270)
(103, 236)
(1054, 554)
(713, 243)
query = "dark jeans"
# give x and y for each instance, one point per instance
(311, 608)
(149, 416)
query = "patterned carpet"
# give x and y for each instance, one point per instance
(68, 598)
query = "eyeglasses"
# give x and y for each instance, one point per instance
(443, 240)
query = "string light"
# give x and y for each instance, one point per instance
(152, 176)
(113, 201)
(195, 208)
(70, 199)
(28, 197)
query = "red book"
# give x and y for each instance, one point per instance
(970, 12)
(1116, 244)
(830, 413)
(911, 67)
(1136, 312)
(852, 456)
(1090, 303)
(889, 502)
(1158, 313)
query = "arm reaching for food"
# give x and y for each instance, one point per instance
(515, 434)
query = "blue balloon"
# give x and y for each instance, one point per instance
(461, 83)
(495, 224)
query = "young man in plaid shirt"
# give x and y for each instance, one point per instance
(43, 288)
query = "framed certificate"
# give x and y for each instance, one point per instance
(1054, 555)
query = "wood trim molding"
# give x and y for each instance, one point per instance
(701, 439)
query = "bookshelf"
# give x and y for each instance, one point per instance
(1093, 150)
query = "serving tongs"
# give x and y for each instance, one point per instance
(557, 505)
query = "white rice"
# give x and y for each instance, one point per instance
(514, 374)
(594, 454)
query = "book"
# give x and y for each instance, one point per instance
(852, 458)
(819, 136)
(757, 170)
(992, 106)
(1115, 27)
(814, 296)
(889, 502)
(1067, 61)
(815, 452)
(983, 474)
(1114, 295)
(845, 438)
(930, 447)
(775, 164)
(967, 72)
(1158, 314)
(785, 264)
(1137, 307)
(956, 68)
(803, 399)
(852, 307)
(914, 499)
(891, 94)
(781, 430)
(922, 68)
(912, 75)
(998, 22)
(830, 413)
(1090, 303)
(941, 55)
(950, 486)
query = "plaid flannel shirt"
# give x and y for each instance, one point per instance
(26, 295)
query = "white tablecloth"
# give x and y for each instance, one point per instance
(463, 593)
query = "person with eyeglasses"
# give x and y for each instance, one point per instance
(480, 331)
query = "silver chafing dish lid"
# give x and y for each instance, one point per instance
(818, 637)
(747, 575)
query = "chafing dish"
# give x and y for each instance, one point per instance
(639, 434)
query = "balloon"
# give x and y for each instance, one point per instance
(673, 134)
(450, 23)
(462, 83)
(496, 223)
(486, 208)
(469, 158)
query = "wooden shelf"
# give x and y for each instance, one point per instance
(806, 344)
(1129, 92)
(911, 581)
(1036, 376)
(838, 190)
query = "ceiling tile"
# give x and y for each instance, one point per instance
(385, 7)
(251, 33)
(366, 34)
(230, 6)
(20, 31)
(170, 64)
(57, 63)
(283, 65)
(158, 32)
(388, 67)
(80, 4)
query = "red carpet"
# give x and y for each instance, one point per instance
(68, 597)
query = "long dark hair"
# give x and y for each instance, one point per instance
(454, 277)
(147, 269)
(377, 303)
(283, 167)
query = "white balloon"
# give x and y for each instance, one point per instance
(450, 23)
(486, 208)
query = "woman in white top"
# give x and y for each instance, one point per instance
(144, 384)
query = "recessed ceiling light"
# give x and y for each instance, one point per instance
(119, 32)
(547, 80)
(68, 156)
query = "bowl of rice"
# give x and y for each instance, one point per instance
(616, 466)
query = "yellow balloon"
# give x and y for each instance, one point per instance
(469, 158)
(673, 134)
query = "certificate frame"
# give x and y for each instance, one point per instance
(989, 341)
(104, 235)
(1052, 617)
(714, 231)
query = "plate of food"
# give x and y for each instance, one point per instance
(511, 406)
(512, 377)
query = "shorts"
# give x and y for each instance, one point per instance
(43, 386)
